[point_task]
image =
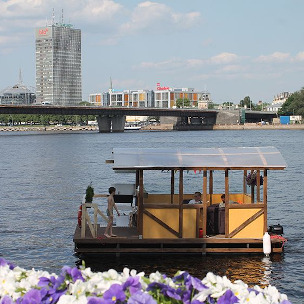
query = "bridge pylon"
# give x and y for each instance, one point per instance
(111, 123)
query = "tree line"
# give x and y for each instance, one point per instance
(35, 119)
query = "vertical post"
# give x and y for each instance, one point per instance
(252, 191)
(137, 179)
(205, 203)
(83, 221)
(140, 202)
(226, 203)
(265, 199)
(172, 186)
(258, 186)
(210, 185)
(180, 209)
(245, 182)
(244, 185)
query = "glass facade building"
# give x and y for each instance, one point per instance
(58, 65)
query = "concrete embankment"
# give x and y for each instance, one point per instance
(161, 127)
(253, 126)
(249, 126)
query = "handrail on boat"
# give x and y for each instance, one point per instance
(85, 219)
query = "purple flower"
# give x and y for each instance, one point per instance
(32, 297)
(95, 300)
(195, 283)
(181, 278)
(114, 294)
(74, 273)
(4, 262)
(6, 299)
(52, 288)
(44, 281)
(133, 284)
(165, 290)
(285, 302)
(141, 298)
(228, 298)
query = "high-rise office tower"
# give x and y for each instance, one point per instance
(58, 64)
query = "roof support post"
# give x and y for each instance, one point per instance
(137, 179)
(210, 185)
(245, 182)
(204, 203)
(258, 179)
(140, 202)
(265, 199)
(252, 190)
(226, 203)
(172, 186)
(181, 194)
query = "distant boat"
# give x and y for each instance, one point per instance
(132, 127)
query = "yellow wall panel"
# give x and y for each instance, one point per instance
(152, 229)
(189, 223)
(239, 216)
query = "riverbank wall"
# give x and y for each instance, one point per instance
(160, 127)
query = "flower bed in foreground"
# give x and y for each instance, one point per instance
(81, 286)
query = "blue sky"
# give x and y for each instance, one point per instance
(233, 48)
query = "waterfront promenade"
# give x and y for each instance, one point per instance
(160, 127)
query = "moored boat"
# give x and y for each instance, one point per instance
(165, 223)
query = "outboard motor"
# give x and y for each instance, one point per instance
(275, 229)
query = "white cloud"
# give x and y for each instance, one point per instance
(299, 56)
(96, 11)
(223, 58)
(157, 17)
(195, 62)
(232, 69)
(275, 57)
(20, 8)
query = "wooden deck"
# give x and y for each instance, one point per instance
(128, 241)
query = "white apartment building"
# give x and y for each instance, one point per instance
(166, 97)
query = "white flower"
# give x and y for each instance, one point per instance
(70, 299)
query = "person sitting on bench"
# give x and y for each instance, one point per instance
(196, 199)
(222, 203)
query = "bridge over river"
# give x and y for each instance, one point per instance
(113, 118)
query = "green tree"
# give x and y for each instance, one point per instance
(294, 105)
(182, 103)
(246, 102)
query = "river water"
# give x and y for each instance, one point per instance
(43, 177)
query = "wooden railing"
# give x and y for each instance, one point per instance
(86, 220)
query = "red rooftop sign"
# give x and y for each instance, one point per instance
(159, 88)
(43, 32)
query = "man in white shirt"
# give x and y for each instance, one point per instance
(196, 199)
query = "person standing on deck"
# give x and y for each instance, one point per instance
(111, 205)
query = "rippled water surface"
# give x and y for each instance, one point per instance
(44, 176)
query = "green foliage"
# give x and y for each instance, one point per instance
(211, 105)
(246, 102)
(182, 103)
(29, 119)
(294, 105)
(89, 194)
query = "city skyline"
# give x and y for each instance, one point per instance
(232, 49)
